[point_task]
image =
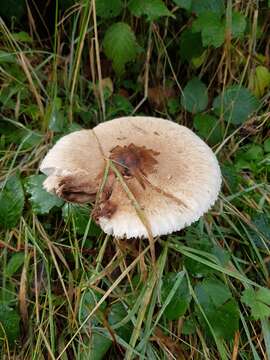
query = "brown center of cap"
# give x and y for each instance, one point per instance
(132, 159)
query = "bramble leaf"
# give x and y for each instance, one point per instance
(219, 307)
(258, 301)
(238, 24)
(208, 6)
(14, 264)
(190, 45)
(9, 324)
(42, 201)
(212, 29)
(185, 4)
(120, 45)
(11, 202)
(194, 98)
(236, 104)
(108, 9)
(180, 299)
(153, 9)
(208, 127)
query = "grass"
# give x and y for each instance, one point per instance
(67, 290)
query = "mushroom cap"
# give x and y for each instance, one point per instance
(181, 184)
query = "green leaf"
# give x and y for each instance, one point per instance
(9, 324)
(196, 268)
(181, 297)
(208, 127)
(153, 9)
(99, 346)
(189, 326)
(259, 81)
(212, 29)
(22, 136)
(238, 24)
(11, 202)
(194, 98)
(118, 313)
(231, 177)
(119, 106)
(262, 230)
(236, 104)
(108, 9)
(258, 301)
(7, 58)
(219, 307)
(88, 301)
(42, 201)
(22, 36)
(266, 145)
(57, 121)
(15, 262)
(120, 45)
(190, 45)
(185, 4)
(253, 152)
(8, 294)
(208, 6)
(79, 215)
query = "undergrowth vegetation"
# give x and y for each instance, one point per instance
(67, 291)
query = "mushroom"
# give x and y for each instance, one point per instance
(171, 173)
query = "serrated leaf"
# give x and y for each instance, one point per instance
(208, 6)
(212, 29)
(194, 98)
(181, 297)
(153, 9)
(236, 104)
(42, 201)
(219, 307)
(120, 45)
(190, 45)
(9, 324)
(208, 127)
(258, 301)
(11, 202)
(108, 9)
(15, 262)
(185, 4)
(239, 24)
